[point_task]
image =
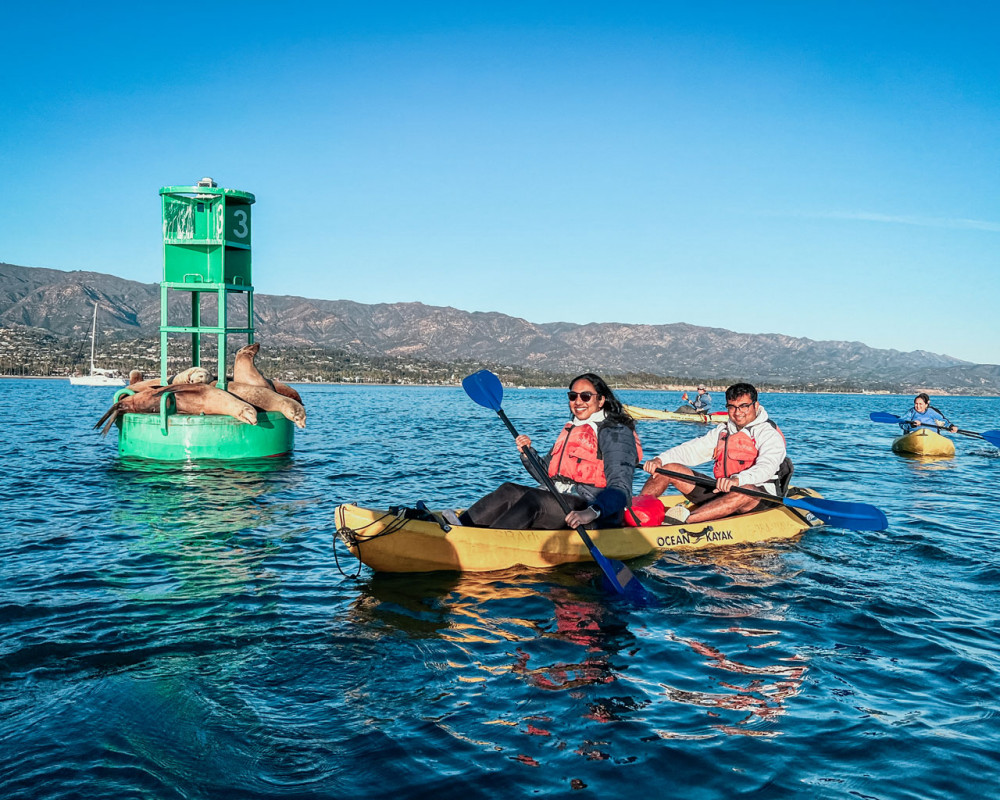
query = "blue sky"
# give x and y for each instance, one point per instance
(819, 169)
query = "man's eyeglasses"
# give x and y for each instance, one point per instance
(585, 396)
(740, 407)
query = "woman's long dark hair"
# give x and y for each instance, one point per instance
(613, 409)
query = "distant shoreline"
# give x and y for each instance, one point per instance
(880, 393)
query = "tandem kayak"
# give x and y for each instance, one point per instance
(392, 540)
(638, 413)
(924, 442)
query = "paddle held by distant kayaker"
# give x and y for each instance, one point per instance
(923, 413)
(702, 404)
(747, 451)
(591, 465)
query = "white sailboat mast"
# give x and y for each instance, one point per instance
(93, 333)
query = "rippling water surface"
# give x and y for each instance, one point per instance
(186, 632)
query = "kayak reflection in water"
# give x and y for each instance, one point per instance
(923, 413)
(591, 466)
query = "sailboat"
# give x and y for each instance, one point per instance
(97, 377)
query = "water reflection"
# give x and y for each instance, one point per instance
(923, 463)
(555, 635)
(197, 530)
(195, 499)
(761, 697)
(542, 646)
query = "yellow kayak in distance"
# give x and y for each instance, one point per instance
(389, 540)
(924, 442)
(639, 413)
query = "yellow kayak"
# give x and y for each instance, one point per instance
(639, 413)
(924, 442)
(392, 541)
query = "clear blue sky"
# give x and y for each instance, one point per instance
(820, 169)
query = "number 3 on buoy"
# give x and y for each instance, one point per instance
(239, 224)
(241, 231)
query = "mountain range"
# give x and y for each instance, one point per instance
(60, 304)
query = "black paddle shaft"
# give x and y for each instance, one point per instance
(709, 483)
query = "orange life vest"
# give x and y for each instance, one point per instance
(736, 452)
(576, 456)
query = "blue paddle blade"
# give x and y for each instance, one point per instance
(840, 514)
(484, 388)
(993, 437)
(619, 578)
(882, 416)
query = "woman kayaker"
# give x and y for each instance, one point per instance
(923, 413)
(591, 464)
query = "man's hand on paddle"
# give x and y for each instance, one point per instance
(652, 465)
(725, 484)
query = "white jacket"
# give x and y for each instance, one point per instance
(770, 448)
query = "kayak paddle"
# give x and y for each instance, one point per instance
(839, 514)
(993, 437)
(486, 390)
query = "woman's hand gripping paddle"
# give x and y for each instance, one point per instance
(993, 437)
(853, 516)
(486, 390)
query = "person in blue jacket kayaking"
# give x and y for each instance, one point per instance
(923, 413)
(702, 404)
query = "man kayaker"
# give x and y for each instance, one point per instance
(747, 451)
(923, 413)
(702, 404)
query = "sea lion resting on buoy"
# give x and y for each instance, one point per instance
(263, 398)
(279, 387)
(245, 372)
(286, 390)
(137, 384)
(142, 402)
(200, 398)
(190, 375)
(193, 375)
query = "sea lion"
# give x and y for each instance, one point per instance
(200, 398)
(137, 384)
(193, 375)
(263, 398)
(244, 370)
(286, 390)
(142, 402)
(276, 386)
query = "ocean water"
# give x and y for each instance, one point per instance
(190, 632)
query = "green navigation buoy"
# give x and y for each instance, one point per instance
(206, 250)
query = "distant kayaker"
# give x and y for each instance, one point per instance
(592, 465)
(702, 404)
(923, 413)
(747, 451)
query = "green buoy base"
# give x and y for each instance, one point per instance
(191, 438)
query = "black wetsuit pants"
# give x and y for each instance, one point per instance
(516, 507)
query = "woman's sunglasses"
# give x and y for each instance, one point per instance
(585, 396)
